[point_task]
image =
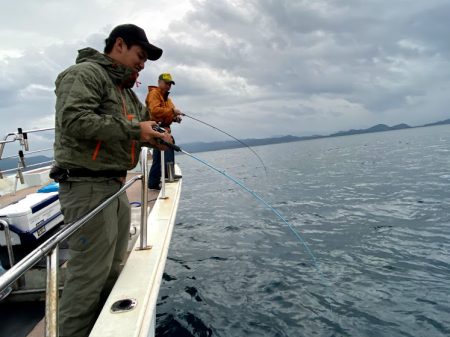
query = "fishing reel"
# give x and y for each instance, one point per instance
(158, 128)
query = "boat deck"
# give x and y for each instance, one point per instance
(25, 318)
(10, 198)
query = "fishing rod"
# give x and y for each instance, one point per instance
(229, 135)
(258, 197)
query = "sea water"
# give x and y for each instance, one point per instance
(375, 211)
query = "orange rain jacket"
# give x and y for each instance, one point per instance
(160, 107)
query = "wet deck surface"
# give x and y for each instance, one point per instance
(134, 192)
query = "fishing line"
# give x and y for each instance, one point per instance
(296, 234)
(229, 135)
(271, 208)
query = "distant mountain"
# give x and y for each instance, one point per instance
(213, 146)
(231, 144)
(375, 128)
(6, 164)
(401, 126)
(447, 121)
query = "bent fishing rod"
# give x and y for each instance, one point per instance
(259, 198)
(229, 135)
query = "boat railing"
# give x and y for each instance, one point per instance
(21, 137)
(50, 248)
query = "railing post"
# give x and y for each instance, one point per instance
(52, 294)
(163, 176)
(144, 197)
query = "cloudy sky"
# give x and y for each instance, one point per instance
(255, 68)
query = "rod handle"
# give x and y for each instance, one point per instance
(170, 145)
(21, 178)
(22, 158)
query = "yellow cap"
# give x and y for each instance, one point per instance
(166, 77)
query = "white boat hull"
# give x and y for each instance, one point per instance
(141, 277)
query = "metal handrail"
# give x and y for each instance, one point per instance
(15, 272)
(52, 294)
(29, 166)
(163, 175)
(6, 141)
(21, 136)
(144, 197)
(29, 152)
(38, 130)
(8, 241)
(50, 247)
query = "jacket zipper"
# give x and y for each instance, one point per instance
(96, 150)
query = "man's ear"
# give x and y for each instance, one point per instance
(119, 45)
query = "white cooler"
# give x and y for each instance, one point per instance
(32, 216)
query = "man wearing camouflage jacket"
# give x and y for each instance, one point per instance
(99, 127)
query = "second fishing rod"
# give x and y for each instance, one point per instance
(229, 135)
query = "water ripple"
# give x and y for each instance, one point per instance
(373, 209)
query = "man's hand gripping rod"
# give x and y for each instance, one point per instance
(163, 142)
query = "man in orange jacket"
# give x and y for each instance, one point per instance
(163, 111)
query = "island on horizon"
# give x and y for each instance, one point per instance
(231, 144)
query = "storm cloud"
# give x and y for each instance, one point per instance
(256, 68)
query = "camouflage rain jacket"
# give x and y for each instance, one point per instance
(97, 120)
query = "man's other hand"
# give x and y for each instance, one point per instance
(147, 132)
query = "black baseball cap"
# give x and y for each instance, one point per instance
(134, 34)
